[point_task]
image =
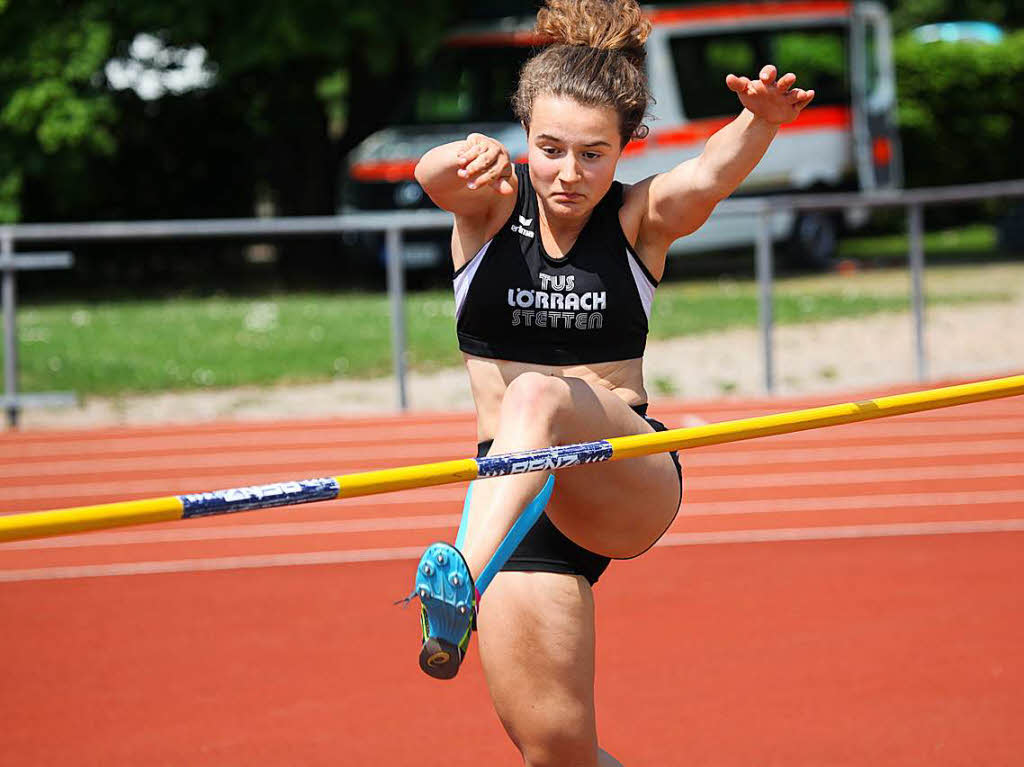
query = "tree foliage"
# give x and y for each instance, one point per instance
(53, 108)
(296, 84)
(961, 114)
(907, 14)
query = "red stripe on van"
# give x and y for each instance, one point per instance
(515, 39)
(527, 38)
(392, 170)
(699, 131)
(815, 118)
(383, 170)
(748, 10)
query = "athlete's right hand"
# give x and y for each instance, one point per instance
(483, 161)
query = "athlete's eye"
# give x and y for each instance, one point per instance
(550, 150)
(591, 155)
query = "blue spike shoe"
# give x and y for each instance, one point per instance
(447, 609)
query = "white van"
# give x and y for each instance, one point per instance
(845, 140)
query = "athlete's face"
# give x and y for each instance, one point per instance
(572, 155)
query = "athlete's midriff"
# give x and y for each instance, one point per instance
(489, 378)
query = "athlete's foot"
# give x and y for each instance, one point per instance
(447, 609)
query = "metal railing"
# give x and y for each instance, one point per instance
(914, 200)
(394, 224)
(10, 264)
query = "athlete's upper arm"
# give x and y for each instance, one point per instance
(677, 202)
(472, 231)
(473, 203)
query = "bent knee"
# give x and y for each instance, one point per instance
(538, 395)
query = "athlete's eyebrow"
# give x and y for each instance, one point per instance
(558, 140)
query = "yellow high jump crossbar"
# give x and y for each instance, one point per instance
(15, 527)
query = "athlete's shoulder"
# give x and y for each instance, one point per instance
(633, 208)
(638, 192)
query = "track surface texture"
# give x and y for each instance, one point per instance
(845, 596)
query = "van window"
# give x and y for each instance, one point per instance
(465, 85)
(702, 62)
(819, 59)
(818, 56)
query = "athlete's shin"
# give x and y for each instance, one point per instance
(494, 507)
(527, 421)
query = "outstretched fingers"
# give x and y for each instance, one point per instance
(737, 84)
(769, 96)
(800, 98)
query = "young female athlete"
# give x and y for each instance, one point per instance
(556, 265)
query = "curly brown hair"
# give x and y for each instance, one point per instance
(596, 57)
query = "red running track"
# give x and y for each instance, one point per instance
(847, 596)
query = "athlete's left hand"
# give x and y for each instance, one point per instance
(774, 101)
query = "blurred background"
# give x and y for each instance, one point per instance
(138, 110)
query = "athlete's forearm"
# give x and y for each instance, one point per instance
(733, 152)
(437, 170)
(465, 177)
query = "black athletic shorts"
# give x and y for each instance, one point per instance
(546, 550)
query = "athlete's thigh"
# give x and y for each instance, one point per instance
(619, 508)
(536, 641)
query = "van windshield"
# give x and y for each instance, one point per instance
(465, 85)
(817, 55)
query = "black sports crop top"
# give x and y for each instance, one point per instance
(514, 302)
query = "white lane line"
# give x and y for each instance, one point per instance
(204, 531)
(878, 431)
(334, 458)
(852, 503)
(213, 563)
(691, 420)
(237, 532)
(763, 459)
(845, 531)
(413, 552)
(190, 533)
(40, 491)
(989, 409)
(115, 491)
(168, 439)
(453, 433)
(839, 476)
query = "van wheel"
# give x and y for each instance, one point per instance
(814, 241)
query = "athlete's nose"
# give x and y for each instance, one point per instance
(569, 173)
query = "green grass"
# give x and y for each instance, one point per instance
(145, 346)
(972, 239)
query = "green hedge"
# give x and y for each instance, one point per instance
(961, 110)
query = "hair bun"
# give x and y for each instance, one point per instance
(614, 25)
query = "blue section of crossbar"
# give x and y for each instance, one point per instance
(548, 458)
(258, 497)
